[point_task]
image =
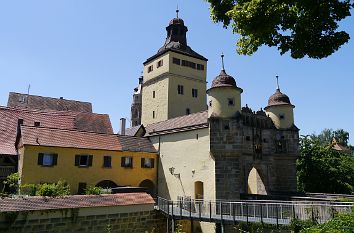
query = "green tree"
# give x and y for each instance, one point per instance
(327, 135)
(321, 169)
(12, 183)
(343, 223)
(303, 28)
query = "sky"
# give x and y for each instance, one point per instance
(93, 51)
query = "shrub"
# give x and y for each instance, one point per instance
(61, 188)
(11, 183)
(93, 190)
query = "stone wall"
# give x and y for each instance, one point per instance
(71, 221)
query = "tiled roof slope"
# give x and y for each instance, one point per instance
(54, 119)
(183, 123)
(42, 136)
(47, 103)
(77, 201)
(133, 130)
(136, 144)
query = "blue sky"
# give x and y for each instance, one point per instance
(93, 51)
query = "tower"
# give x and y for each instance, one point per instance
(136, 105)
(224, 97)
(280, 109)
(174, 78)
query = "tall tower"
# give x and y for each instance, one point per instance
(136, 105)
(174, 78)
(280, 109)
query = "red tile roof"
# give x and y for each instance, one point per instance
(47, 103)
(54, 119)
(41, 136)
(78, 201)
(178, 124)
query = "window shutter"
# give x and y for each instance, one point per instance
(142, 162)
(152, 163)
(90, 157)
(122, 163)
(131, 162)
(40, 159)
(55, 159)
(77, 160)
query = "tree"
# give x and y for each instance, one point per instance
(322, 169)
(343, 223)
(305, 28)
(327, 135)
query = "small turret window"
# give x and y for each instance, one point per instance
(281, 116)
(194, 93)
(180, 89)
(150, 68)
(188, 111)
(176, 61)
(153, 114)
(153, 94)
(210, 103)
(231, 101)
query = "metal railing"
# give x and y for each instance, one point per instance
(275, 212)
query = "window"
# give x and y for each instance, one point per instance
(150, 68)
(107, 161)
(47, 159)
(159, 63)
(248, 138)
(83, 160)
(194, 93)
(180, 90)
(127, 162)
(147, 162)
(231, 101)
(188, 111)
(176, 61)
(153, 114)
(37, 124)
(153, 94)
(200, 67)
(20, 121)
(81, 188)
(281, 116)
(210, 103)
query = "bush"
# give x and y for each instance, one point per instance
(61, 188)
(93, 190)
(11, 183)
(343, 223)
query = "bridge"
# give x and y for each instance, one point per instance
(268, 212)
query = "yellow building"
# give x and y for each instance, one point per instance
(85, 158)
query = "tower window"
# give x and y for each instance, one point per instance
(281, 116)
(194, 93)
(176, 61)
(180, 90)
(153, 114)
(150, 68)
(153, 94)
(188, 111)
(159, 63)
(200, 67)
(210, 103)
(231, 101)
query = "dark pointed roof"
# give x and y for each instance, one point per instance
(278, 98)
(176, 41)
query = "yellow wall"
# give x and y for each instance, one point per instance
(65, 169)
(274, 113)
(164, 81)
(191, 160)
(219, 98)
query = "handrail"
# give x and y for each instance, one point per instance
(252, 211)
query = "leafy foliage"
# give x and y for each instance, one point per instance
(301, 27)
(321, 169)
(93, 190)
(327, 135)
(343, 223)
(12, 183)
(61, 188)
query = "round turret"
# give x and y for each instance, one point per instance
(280, 110)
(224, 97)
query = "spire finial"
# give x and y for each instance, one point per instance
(277, 77)
(222, 61)
(177, 11)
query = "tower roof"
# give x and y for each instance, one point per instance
(278, 98)
(176, 41)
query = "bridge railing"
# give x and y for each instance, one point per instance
(252, 211)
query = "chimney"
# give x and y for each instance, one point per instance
(141, 80)
(61, 98)
(122, 126)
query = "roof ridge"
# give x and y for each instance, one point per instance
(79, 101)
